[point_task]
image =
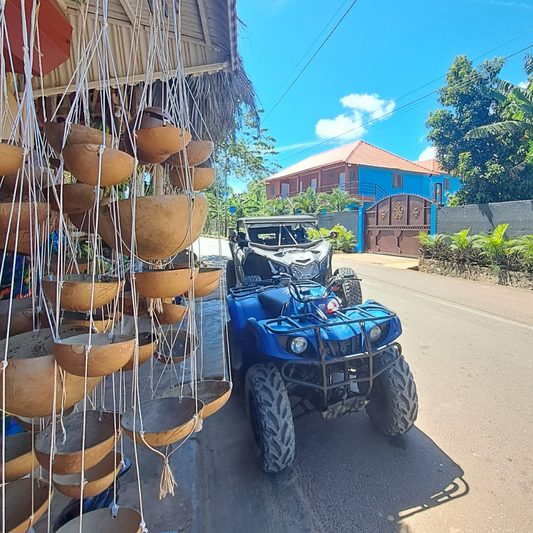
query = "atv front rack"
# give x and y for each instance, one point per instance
(326, 321)
(354, 401)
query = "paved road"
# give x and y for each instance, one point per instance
(467, 466)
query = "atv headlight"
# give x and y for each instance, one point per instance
(374, 334)
(308, 271)
(324, 264)
(298, 345)
(379, 333)
(278, 268)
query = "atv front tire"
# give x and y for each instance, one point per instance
(231, 277)
(393, 405)
(350, 293)
(269, 407)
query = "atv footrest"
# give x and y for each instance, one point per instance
(344, 407)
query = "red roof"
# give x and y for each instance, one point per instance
(357, 153)
(431, 164)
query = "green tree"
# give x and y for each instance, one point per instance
(517, 116)
(487, 165)
(249, 155)
(307, 201)
(336, 200)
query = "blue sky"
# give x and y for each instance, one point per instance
(383, 50)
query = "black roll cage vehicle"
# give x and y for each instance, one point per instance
(267, 246)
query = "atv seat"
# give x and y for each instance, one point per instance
(273, 300)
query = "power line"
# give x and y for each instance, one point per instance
(307, 51)
(332, 139)
(312, 57)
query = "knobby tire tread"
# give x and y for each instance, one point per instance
(400, 397)
(274, 413)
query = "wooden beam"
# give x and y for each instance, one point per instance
(129, 11)
(205, 22)
(133, 80)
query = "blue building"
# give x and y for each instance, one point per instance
(366, 172)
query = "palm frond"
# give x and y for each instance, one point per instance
(507, 126)
(528, 64)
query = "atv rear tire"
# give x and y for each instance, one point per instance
(269, 408)
(393, 405)
(231, 277)
(250, 280)
(350, 293)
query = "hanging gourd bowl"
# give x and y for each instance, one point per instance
(197, 178)
(19, 459)
(147, 347)
(101, 323)
(164, 420)
(103, 521)
(157, 144)
(196, 153)
(76, 291)
(11, 158)
(77, 197)
(206, 282)
(21, 313)
(26, 500)
(88, 162)
(96, 354)
(78, 134)
(97, 479)
(214, 394)
(102, 430)
(24, 215)
(36, 424)
(167, 283)
(33, 383)
(20, 242)
(164, 225)
(171, 314)
(181, 348)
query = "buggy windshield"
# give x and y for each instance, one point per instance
(281, 234)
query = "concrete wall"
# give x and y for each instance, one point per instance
(348, 219)
(485, 217)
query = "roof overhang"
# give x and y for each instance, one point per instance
(208, 42)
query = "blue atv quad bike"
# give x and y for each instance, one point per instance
(299, 350)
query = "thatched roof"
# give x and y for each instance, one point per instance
(218, 85)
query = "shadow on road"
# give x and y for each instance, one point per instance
(346, 477)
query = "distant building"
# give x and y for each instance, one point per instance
(367, 172)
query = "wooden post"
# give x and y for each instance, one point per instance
(159, 180)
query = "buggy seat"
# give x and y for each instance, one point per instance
(273, 300)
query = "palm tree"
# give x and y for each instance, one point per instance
(336, 200)
(519, 107)
(307, 201)
(496, 246)
(462, 245)
(278, 206)
(523, 246)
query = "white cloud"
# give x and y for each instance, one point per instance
(346, 128)
(351, 126)
(371, 104)
(524, 84)
(428, 153)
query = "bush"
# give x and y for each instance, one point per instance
(495, 249)
(345, 240)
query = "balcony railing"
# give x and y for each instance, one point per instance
(365, 192)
